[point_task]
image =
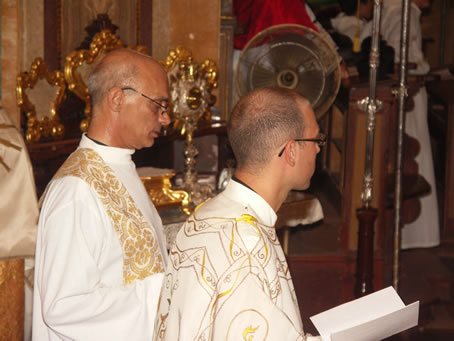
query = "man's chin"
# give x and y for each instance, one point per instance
(302, 187)
(148, 144)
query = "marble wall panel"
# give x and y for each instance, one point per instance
(195, 24)
(32, 38)
(161, 29)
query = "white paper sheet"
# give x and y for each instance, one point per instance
(372, 317)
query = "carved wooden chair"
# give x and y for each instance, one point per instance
(39, 96)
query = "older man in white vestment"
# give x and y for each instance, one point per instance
(227, 277)
(100, 253)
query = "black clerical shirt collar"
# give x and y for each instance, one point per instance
(234, 178)
(96, 141)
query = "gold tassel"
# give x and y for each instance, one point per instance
(356, 46)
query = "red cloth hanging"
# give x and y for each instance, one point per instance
(253, 16)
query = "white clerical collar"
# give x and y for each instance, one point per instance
(252, 200)
(109, 154)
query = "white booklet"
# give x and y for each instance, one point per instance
(373, 317)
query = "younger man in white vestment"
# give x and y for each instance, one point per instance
(227, 277)
(100, 253)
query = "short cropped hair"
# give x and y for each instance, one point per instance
(262, 121)
(106, 76)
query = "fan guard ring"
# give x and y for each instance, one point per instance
(291, 56)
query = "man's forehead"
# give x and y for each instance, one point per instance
(154, 77)
(306, 108)
(310, 122)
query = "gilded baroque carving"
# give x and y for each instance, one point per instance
(44, 120)
(191, 86)
(159, 189)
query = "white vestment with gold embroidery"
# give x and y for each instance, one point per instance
(227, 277)
(92, 280)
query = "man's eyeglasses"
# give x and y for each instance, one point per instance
(320, 140)
(164, 108)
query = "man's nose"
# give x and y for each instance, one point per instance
(164, 118)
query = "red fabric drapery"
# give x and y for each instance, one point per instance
(253, 16)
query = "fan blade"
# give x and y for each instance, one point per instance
(261, 75)
(291, 56)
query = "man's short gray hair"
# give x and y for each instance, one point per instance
(106, 76)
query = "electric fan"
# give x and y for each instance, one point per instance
(291, 56)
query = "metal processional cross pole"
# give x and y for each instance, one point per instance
(402, 94)
(367, 214)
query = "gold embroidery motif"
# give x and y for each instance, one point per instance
(247, 333)
(253, 221)
(240, 327)
(203, 271)
(141, 255)
(248, 219)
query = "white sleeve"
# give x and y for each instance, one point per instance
(77, 276)
(391, 27)
(415, 52)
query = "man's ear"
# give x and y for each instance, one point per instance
(115, 99)
(290, 153)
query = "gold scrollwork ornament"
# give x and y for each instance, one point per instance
(39, 123)
(159, 189)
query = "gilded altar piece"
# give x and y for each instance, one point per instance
(159, 188)
(191, 85)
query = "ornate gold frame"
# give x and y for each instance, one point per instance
(36, 129)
